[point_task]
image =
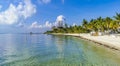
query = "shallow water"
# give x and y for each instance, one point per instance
(50, 50)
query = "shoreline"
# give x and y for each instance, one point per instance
(109, 41)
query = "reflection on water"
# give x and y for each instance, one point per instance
(50, 50)
(59, 42)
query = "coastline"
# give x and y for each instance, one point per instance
(110, 41)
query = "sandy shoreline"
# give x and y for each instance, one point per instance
(110, 41)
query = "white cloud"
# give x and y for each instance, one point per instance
(9, 16)
(28, 9)
(44, 1)
(20, 25)
(14, 13)
(48, 24)
(48, 1)
(35, 25)
(60, 20)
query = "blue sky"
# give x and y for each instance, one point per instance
(21, 16)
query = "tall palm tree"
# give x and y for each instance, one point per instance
(108, 20)
(117, 17)
(84, 24)
(91, 25)
(99, 24)
(114, 25)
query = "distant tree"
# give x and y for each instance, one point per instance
(99, 24)
(117, 17)
(54, 27)
(66, 26)
(108, 20)
(84, 23)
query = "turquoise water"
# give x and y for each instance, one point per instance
(50, 50)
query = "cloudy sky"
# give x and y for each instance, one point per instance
(21, 16)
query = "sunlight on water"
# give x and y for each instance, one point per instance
(49, 50)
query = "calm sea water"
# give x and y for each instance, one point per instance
(50, 50)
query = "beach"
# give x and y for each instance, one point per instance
(110, 41)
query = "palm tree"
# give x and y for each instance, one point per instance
(117, 17)
(108, 20)
(99, 23)
(114, 26)
(85, 22)
(90, 25)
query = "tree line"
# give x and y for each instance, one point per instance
(98, 25)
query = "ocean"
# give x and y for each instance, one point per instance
(53, 50)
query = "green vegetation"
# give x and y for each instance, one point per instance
(98, 25)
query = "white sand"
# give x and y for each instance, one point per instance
(109, 40)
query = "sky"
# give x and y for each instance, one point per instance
(23, 16)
